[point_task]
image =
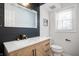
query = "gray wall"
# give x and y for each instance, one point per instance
(10, 33)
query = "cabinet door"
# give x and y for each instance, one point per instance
(14, 53)
(27, 51)
(39, 50)
(43, 48)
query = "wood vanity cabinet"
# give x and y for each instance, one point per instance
(38, 49)
(26, 51)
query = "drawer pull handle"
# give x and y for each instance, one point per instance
(46, 44)
(46, 50)
(34, 52)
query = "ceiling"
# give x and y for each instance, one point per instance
(51, 6)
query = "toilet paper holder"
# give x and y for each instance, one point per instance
(67, 40)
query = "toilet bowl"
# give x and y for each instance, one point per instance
(57, 50)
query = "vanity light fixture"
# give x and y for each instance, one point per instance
(25, 4)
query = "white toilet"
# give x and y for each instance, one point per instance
(57, 50)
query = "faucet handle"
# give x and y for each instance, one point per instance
(24, 36)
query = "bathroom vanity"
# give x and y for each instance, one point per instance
(37, 46)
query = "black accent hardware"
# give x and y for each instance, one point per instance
(34, 52)
(67, 40)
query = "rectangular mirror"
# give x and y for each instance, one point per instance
(18, 16)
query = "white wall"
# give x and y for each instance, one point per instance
(44, 30)
(72, 47)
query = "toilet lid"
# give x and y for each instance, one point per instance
(57, 47)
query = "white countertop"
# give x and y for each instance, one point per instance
(15, 45)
